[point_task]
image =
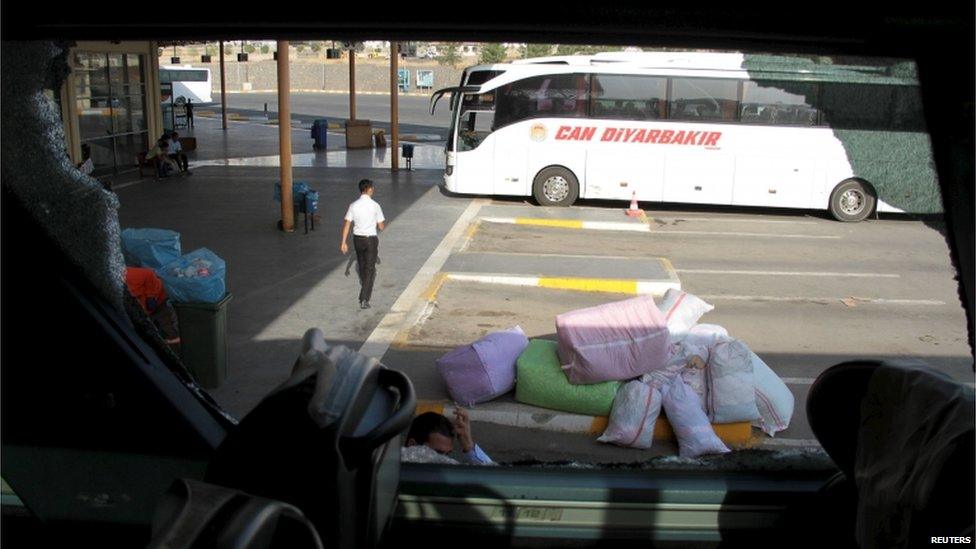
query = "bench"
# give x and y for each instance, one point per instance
(188, 144)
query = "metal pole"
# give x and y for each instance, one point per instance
(394, 112)
(223, 88)
(352, 83)
(284, 137)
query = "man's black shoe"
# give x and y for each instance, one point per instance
(364, 304)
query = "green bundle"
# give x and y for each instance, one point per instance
(541, 382)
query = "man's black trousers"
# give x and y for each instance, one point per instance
(366, 250)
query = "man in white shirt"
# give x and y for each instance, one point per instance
(366, 217)
(438, 433)
(176, 152)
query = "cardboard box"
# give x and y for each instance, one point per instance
(359, 134)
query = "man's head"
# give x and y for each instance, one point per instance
(174, 136)
(433, 430)
(366, 187)
(163, 144)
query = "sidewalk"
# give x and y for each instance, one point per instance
(283, 284)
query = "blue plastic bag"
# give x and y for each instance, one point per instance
(298, 190)
(197, 277)
(150, 248)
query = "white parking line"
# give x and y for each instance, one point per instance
(634, 227)
(544, 254)
(399, 317)
(798, 380)
(798, 299)
(665, 232)
(788, 273)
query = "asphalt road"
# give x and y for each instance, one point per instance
(802, 291)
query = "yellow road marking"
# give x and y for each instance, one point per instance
(590, 285)
(564, 223)
(424, 406)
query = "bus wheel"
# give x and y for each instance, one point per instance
(852, 201)
(555, 186)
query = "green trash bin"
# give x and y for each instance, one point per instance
(203, 340)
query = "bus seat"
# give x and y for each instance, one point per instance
(902, 435)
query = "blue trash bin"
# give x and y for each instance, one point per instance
(311, 202)
(408, 154)
(320, 132)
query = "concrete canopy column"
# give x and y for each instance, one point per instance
(284, 137)
(394, 107)
(352, 83)
(223, 88)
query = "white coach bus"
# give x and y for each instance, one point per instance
(704, 128)
(188, 83)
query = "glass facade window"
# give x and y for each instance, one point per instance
(129, 116)
(628, 97)
(704, 99)
(111, 107)
(94, 118)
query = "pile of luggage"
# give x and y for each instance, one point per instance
(158, 274)
(629, 360)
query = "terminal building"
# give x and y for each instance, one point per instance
(110, 103)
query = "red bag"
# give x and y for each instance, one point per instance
(146, 287)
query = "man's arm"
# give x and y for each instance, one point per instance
(343, 247)
(472, 452)
(381, 225)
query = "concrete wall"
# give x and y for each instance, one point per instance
(310, 76)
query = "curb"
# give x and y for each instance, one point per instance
(639, 227)
(737, 435)
(607, 285)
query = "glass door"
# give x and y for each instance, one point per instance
(111, 104)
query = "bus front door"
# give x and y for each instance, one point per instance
(511, 163)
(474, 156)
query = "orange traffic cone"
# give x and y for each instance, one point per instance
(634, 210)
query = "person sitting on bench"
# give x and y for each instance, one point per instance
(164, 164)
(176, 152)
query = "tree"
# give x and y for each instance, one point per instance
(249, 48)
(300, 48)
(449, 55)
(265, 49)
(576, 49)
(492, 53)
(316, 46)
(536, 50)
